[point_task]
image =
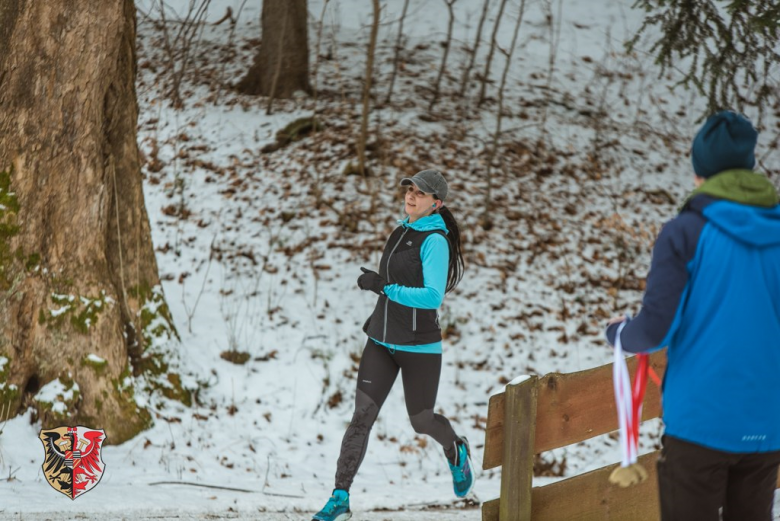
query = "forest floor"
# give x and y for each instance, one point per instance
(259, 250)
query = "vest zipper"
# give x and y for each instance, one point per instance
(384, 333)
(414, 319)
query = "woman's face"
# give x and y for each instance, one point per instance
(418, 203)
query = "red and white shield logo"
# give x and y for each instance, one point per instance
(73, 463)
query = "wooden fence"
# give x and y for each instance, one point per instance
(554, 411)
(540, 414)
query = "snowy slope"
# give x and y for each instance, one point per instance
(254, 260)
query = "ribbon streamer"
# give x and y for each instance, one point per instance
(628, 400)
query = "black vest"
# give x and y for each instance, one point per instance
(401, 264)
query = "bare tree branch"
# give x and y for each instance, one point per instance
(486, 220)
(443, 67)
(493, 42)
(473, 52)
(397, 51)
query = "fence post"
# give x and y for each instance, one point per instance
(517, 471)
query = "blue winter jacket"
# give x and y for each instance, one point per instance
(713, 297)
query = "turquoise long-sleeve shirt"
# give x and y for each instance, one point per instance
(435, 256)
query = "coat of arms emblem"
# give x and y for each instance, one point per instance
(73, 463)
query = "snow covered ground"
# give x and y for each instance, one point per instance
(259, 253)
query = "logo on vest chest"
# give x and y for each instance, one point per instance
(408, 243)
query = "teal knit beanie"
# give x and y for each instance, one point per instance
(726, 141)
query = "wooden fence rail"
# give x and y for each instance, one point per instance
(540, 414)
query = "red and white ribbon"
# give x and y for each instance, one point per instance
(628, 400)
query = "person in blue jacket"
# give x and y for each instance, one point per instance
(713, 297)
(421, 262)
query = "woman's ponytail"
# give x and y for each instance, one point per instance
(455, 271)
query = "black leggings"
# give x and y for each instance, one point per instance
(378, 370)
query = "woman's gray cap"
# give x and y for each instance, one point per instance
(429, 181)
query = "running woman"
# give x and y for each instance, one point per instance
(421, 262)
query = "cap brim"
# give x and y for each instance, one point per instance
(421, 184)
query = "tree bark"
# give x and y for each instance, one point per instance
(363, 138)
(285, 47)
(80, 300)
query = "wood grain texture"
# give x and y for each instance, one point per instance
(490, 510)
(518, 472)
(590, 496)
(571, 408)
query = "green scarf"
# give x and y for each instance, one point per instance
(740, 186)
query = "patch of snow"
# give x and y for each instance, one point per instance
(55, 391)
(95, 358)
(259, 267)
(59, 311)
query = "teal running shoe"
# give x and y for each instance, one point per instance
(336, 509)
(462, 475)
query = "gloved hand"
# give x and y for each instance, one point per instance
(371, 280)
(627, 476)
(613, 326)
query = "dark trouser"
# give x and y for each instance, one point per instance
(378, 370)
(696, 482)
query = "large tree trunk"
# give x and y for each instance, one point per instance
(80, 300)
(281, 66)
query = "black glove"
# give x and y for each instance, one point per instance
(371, 280)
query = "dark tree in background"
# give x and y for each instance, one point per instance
(730, 47)
(80, 301)
(363, 138)
(281, 66)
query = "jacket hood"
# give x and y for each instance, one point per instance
(758, 227)
(743, 204)
(426, 224)
(740, 186)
